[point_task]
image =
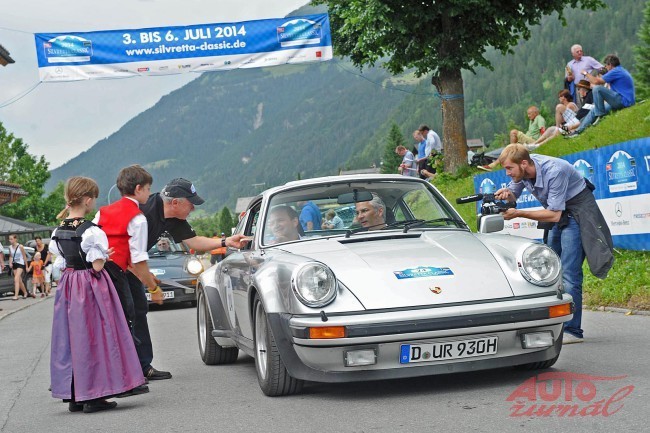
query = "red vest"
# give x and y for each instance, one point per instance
(114, 220)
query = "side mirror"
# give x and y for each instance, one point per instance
(490, 223)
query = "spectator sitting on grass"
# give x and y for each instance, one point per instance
(619, 95)
(536, 127)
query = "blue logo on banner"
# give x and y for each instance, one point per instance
(299, 32)
(421, 272)
(585, 169)
(487, 187)
(68, 48)
(621, 172)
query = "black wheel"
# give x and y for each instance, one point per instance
(538, 365)
(211, 352)
(272, 375)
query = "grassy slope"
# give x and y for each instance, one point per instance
(628, 283)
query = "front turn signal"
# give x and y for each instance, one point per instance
(559, 310)
(327, 332)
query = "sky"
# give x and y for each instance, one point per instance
(61, 120)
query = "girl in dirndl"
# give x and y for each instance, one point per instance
(93, 356)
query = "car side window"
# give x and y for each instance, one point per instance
(252, 220)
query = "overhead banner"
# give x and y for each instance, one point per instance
(174, 50)
(621, 174)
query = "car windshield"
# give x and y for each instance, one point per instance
(348, 208)
(165, 246)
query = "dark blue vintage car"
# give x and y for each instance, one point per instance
(177, 270)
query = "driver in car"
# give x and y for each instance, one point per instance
(163, 245)
(371, 214)
(283, 222)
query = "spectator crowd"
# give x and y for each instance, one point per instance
(591, 91)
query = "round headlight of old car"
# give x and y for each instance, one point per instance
(194, 266)
(314, 284)
(540, 265)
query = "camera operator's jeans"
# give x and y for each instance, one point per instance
(567, 244)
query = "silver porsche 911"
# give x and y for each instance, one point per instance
(373, 277)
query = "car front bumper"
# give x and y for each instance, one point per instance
(174, 294)
(323, 360)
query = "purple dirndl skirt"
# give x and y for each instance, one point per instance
(91, 339)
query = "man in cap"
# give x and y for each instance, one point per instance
(167, 211)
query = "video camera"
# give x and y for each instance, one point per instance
(490, 205)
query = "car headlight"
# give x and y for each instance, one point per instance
(540, 265)
(314, 284)
(194, 266)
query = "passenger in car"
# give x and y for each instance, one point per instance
(371, 214)
(284, 224)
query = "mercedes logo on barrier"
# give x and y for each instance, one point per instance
(58, 70)
(618, 208)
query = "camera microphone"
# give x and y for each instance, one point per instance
(469, 198)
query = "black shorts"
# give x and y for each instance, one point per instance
(15, 265)
(424, 165)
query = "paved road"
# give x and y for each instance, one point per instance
(228, 399)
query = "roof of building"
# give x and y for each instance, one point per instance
(5, 58)
(11, 225)
(10, 192)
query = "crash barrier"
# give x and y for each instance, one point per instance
(621, 174)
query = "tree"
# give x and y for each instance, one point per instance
(225, 221)
(441, 37)
(642, 57)
(31, 173)
(391, 160)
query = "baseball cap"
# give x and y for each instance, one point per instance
(182, 188)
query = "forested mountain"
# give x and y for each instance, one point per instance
(230, 131)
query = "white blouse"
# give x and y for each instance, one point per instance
(93, 242)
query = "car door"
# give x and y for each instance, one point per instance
(238, 270)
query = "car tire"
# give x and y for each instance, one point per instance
(538, 365)
(272, 375)
(211, 352)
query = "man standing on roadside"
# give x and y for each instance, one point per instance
(433, 147)
(578, 68)
(578, 226)
(408, 167)
(167, 211)
(310, 216)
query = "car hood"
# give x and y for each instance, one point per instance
(168, 266)
(413, 269)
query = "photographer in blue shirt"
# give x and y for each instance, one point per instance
(578, 226)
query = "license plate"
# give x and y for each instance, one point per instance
(166, 295)
(429, 352)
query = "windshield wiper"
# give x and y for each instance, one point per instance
(361, 229)
(404, 223)
(416, 223)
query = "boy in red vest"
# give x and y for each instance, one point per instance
(126, 229)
